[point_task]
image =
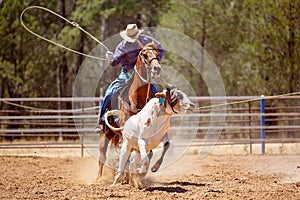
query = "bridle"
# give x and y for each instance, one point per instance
(147, 65)
(148, 68)
(144, 59)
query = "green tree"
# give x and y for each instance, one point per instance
(254, 43)
(30, 65)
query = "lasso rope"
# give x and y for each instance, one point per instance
(50, 110)
(248, 100)
(70, 22)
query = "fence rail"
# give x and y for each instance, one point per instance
(245, 120)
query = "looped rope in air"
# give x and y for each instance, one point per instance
(55, 43)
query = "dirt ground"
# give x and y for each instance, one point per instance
(213, 177)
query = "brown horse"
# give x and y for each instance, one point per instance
(146, 70)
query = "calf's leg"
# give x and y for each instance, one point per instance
(158, 163)
(135, 178)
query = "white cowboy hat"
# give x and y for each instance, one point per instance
(131, 33)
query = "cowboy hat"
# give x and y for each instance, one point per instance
(131, 33)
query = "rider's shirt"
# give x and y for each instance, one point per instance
(126, 52)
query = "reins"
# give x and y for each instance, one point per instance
(148, 68)
(139, 75)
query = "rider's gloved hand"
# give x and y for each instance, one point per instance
(109, 57)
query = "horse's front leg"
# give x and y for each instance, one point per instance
(103, 144)
(133, 104)
(158, 163)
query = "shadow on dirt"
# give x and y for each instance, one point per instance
(185, 183)
(169, 188)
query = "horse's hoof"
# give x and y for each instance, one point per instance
(113, 185)
(98, 179)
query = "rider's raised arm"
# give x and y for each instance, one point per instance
(118, 54)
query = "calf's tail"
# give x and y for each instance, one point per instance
(118, 113)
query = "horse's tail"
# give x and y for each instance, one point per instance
(121, 116)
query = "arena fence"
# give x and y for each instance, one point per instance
(60, 122)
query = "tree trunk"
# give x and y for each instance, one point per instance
(62, 63)
(291, 45)
(202, 57)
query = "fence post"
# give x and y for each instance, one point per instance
(250, 123)
(82, 136)
(262, 124)
(59, 120)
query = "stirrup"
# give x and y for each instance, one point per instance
(99, 129)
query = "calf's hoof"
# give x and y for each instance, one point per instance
(155, 167)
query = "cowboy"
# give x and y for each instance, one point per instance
(125, 54)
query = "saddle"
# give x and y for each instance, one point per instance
(121, 99)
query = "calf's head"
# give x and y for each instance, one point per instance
(177, 101)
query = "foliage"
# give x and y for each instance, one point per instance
(254, 43)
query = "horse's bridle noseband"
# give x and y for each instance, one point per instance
(144, 59)
(148, 65)
(148, 68)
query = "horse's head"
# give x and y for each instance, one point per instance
(149, 57)
(177, 100)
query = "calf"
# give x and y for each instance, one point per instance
(145, 130)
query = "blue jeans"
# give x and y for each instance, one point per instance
(115, 87)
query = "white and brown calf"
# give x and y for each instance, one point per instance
(147, 129)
